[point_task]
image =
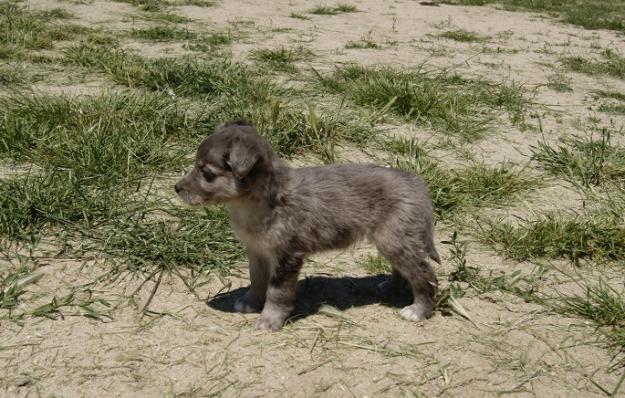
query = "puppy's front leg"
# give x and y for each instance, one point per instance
(254, 298)
(280, 294)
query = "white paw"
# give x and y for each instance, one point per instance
(416, 313)
(268, 323)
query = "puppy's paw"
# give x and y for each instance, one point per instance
(416, 312)
(248, 304)
(268, 323)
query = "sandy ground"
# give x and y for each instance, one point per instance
(345, 340)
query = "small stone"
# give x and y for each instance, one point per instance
(23, 382)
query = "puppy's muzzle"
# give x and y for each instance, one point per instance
(177, 188)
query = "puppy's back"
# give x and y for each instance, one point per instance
(360, 184)
(356, 197)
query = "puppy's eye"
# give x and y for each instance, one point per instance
(209, 176)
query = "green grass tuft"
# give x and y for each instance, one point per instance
(282, 59)
(299, 16)
(106, 138)
(338, 9)
(57, 198)
(159, 5)
(611, 64)
(600, 303)
(584, 161)
(22, 30)
(162, 33)
(231, 90)
(212, 41)
(615, 109)
(463, 36)
(559, 82)
(12, 75)
(474, 186)
(614, 102)
(591, 14)
(447, 103)
(609, 95)
(200, 240)
(376, 265)
(598, 235)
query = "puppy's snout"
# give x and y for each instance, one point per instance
(177, 188)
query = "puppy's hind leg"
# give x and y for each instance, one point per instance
(408, 258)
(254, 299)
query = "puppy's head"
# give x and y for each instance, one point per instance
(226, 164)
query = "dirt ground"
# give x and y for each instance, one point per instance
(345, 339)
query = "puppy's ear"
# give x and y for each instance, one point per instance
(242, 158)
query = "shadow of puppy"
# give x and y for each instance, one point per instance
(313, 292)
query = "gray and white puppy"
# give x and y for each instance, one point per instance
(283, 214)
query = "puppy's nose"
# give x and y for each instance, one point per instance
(177, 188)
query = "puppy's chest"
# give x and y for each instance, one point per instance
(258, 231)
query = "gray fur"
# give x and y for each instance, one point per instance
(283, 214)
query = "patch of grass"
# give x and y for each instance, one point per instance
(162, 33)
(364, 43)
(584, 161)
(32, 204)
(299, 16)
(231, 90)
(598, 235)
(22, 29)
(376, 265)
(474, 186)
(198, 3)
(159, 5)
(611, 64)
(14, 75)
(463, 36)
(609, 95)
(182, 76)
(100, 56)
(327, 10)
(294, 128)
(282, 59)
(197, 239)
(212, 41)
(559, 82)
(600, 303)
(615, 103)
(467, 276)
(190, 77)
(615, 109)
(447, 103)
(408, 147)
(591, 14)
(107, 138)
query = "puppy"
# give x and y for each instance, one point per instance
(283, 214)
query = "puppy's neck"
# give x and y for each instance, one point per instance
(263, 197)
